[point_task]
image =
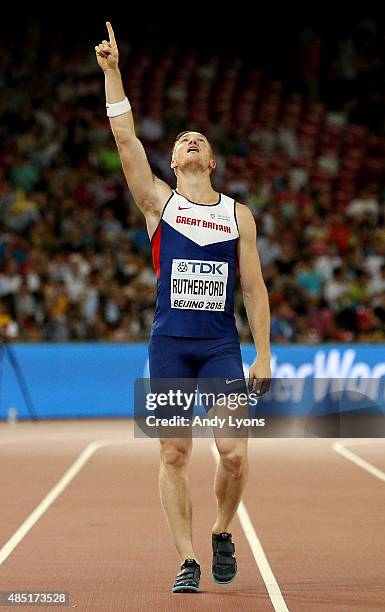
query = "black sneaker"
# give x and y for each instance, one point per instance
(187, 580)
(224, 567)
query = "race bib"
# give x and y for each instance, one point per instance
(198, 285)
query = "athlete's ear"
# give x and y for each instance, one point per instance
(212, 164)
(174, 166)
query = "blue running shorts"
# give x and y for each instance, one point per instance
(213, 364)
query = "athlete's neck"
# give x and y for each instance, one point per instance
(196, 187)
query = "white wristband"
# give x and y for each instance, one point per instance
(118, 108)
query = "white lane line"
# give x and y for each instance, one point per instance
(268, 577)
(339, 447)
(54, 493)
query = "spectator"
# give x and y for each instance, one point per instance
(338, 289)
(8, 327)
(283, 325)
(364, 203)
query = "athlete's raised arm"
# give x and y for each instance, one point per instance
(255, 297)
(149, 192)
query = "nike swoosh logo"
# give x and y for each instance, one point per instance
(184, 207)
(228, 382)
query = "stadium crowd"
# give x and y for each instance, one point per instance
(75, 259)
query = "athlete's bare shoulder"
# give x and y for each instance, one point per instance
(245, 219)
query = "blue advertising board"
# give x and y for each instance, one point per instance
(97, 380)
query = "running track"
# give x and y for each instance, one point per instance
(310, 539)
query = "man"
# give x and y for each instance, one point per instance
(198, 238)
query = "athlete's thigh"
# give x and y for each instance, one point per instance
(222, 359)
(221, 369)
(173, 383)
(169, 358)
(222, 385)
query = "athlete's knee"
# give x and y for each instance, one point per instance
(174, 454)
(234, 460)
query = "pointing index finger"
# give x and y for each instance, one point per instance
(111, 33)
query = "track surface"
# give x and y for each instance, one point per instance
(319, 517)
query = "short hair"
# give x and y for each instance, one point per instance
(181, 134)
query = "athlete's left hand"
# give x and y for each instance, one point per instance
(260, 376)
